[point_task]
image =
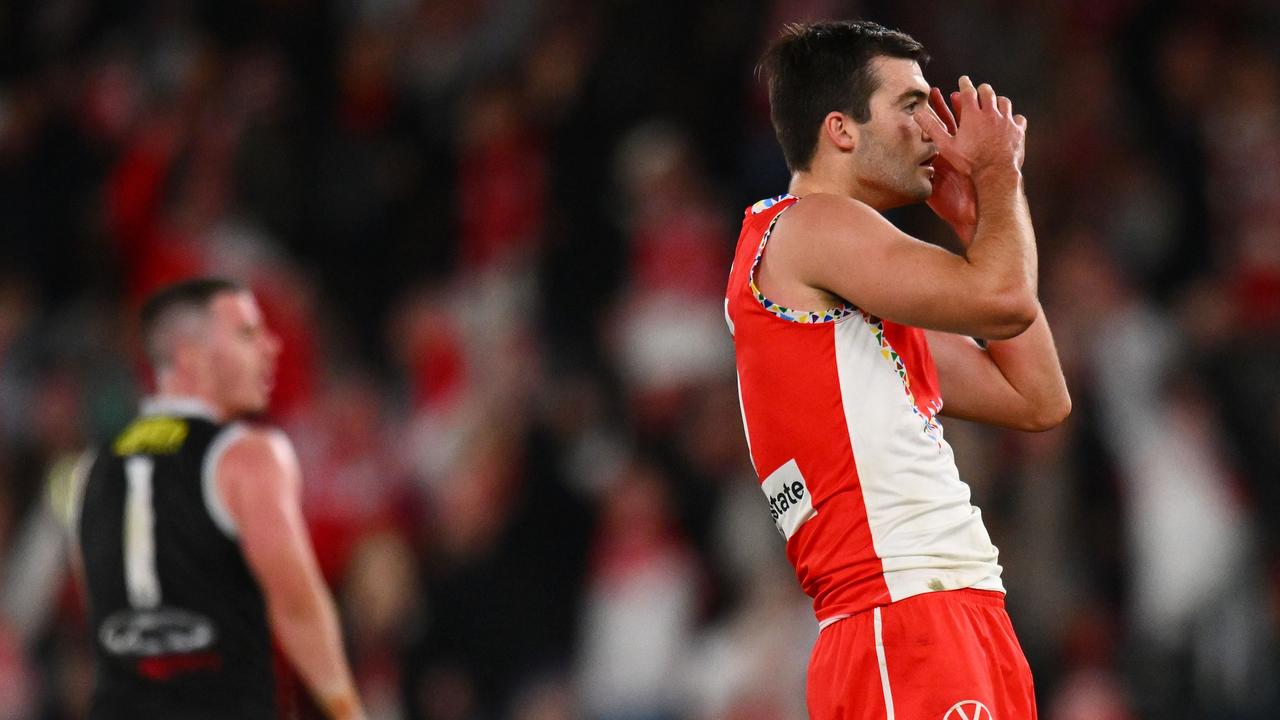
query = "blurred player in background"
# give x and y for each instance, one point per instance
(191, 536)
(848, 335)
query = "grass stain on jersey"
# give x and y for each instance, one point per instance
(151, 436)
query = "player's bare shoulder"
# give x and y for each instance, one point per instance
(261, 457)
(823, 223)
(827, 248)
(259, 444)
(823, 214)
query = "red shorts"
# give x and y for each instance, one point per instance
(937, 656)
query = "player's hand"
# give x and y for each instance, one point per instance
(987, 134)
(954, 197)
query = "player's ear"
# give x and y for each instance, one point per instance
(841, 130)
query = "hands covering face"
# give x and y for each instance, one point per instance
(983, 132)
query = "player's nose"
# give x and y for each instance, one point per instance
(924, 133)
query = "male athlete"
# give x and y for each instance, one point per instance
(191, 536)
(849, 334)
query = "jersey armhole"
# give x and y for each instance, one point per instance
(807, 317)
(71, 512)
(213, 501)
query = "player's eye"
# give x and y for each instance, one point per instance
(911, 106)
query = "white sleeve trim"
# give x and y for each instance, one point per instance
(72, 511)
(212, 497)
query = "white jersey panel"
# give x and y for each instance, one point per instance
(927, 534)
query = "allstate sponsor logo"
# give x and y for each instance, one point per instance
(790, 503)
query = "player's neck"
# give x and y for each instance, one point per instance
(176, 385)
(835, 181)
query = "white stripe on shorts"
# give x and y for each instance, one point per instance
(884, 668)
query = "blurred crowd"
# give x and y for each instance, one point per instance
(494, 237)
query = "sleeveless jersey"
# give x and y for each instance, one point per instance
(178, 621)
(840, 412)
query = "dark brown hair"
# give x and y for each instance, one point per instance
(185, 296)
(817, 68)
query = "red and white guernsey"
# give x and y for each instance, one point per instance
(840, 413)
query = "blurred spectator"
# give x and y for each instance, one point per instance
(502, 575)
(640, 606)
(382, 583)
(668, 327)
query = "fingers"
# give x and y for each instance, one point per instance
(982, 97)
(939, 107)
(1020, 121)
(933, 127)
(986, 96)
(968, 95)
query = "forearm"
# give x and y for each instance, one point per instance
(1029, 362)
(260, 481)
(1003, 241)
(308, 631)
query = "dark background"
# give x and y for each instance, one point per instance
(494, 238)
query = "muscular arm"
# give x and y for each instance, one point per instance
(839, 246)
(848, 249)
(259, 480)
(1014, 383)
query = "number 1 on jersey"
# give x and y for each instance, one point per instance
(140, 577)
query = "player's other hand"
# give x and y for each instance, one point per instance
(954, 198)
(985, 132)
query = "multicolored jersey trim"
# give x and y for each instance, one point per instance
(769, 202)
(796, 316)
(930, 424)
